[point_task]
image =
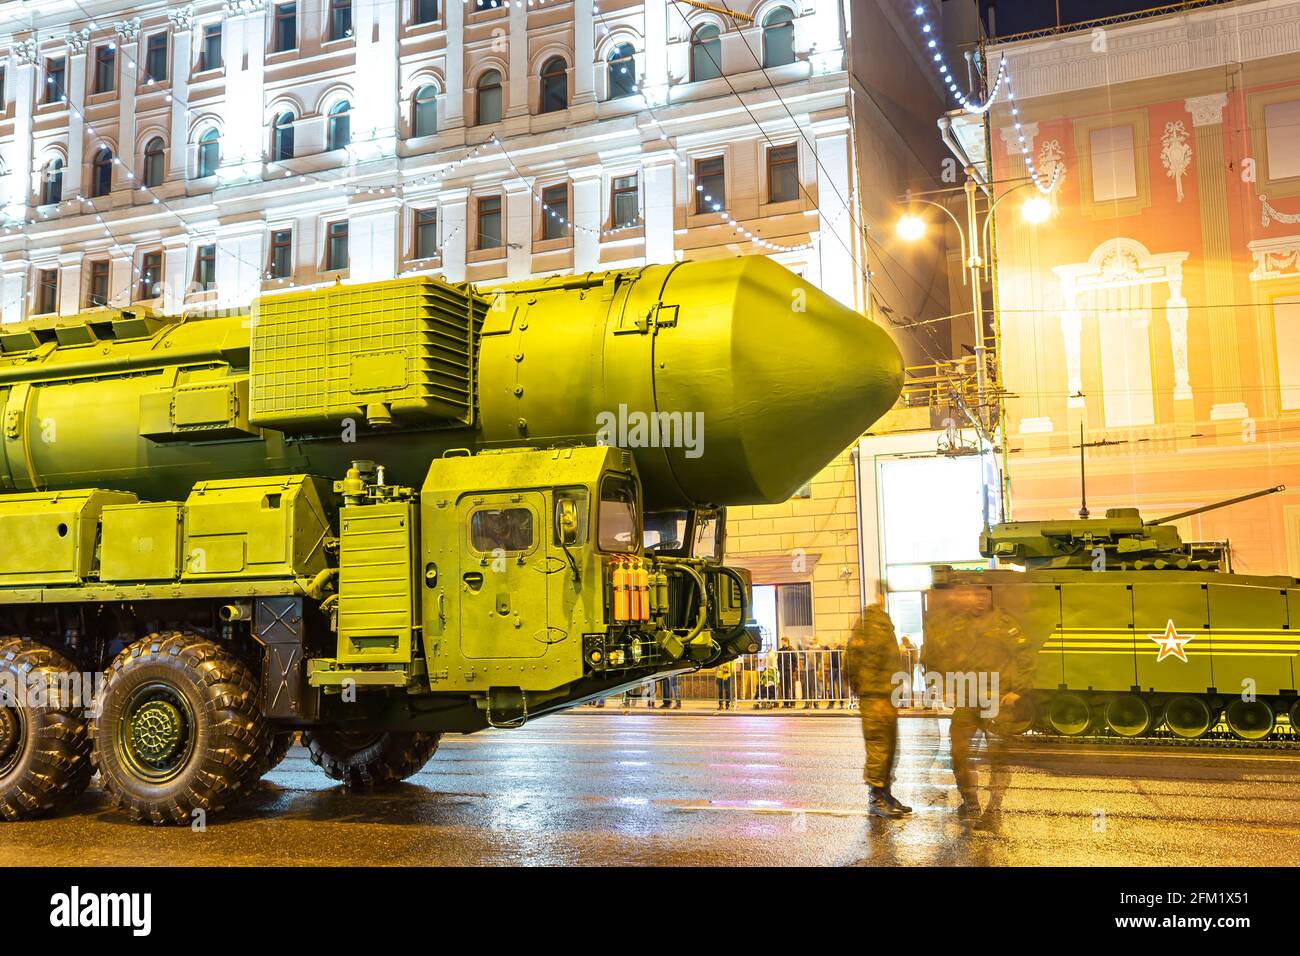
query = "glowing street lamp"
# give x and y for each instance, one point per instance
(911, 228)
(1036, 210)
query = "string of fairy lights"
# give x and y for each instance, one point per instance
(930, 41)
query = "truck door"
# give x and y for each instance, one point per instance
(503, 579)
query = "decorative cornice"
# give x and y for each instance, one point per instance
(128, 30)
(77, 40)
(1206, 110)
(238, 8)
(28, 51)
(182, 18)
(1011, 137)
(1217, 37)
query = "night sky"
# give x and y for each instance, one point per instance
(1017, 16)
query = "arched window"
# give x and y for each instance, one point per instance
(622, 71)
(706, 52)
(101, 173)
(778, 38)
(282, 138)
(424, 111)
(489, 98)
(52, 182)
(209, 153)
(555, 85)
(154, 151)
(339, 131)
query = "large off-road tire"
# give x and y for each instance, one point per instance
(44, 750)
(370, 759)
(180, 729)
(281, 741)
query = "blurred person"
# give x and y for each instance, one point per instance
(788, 668)
(835, 676)
(907, 653)
(871, 660)
(970, 636)
(723, 675)
(669, 693)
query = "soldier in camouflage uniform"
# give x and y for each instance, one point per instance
(871, 663)
(975, 638)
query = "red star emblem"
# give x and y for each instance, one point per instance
(1172, 644)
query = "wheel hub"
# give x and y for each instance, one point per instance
(11, 735)
(157, 732)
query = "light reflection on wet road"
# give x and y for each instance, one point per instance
(610, 789)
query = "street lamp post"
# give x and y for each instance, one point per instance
(975, 256)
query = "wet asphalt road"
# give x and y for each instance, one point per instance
(609, 789)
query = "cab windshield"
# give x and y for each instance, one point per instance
(618, 528)
(666, 530)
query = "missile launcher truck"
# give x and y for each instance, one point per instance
(375, 514)
(1138, 633)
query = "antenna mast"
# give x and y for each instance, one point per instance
(1083, 478)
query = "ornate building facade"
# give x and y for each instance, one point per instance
(1158, 311)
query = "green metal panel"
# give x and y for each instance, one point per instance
(388, 352)
(1157, 603)
(141, 542)
(49, 539)
(1096, 636)
(376, 594)
(1253, 649)
(255, 527)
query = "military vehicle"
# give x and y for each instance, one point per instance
(1140, 634)
(378, 513)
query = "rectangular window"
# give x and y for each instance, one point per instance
(205, 267)
(286, 27)
(105, 68)
(783, 173)
(505, 529)
(54, 79)
(1282, 139)
(4, 102)
(1114, 164)
(426, 233)
(210, 53)
(426, 11)
(97, 286)
(281, 264)
(624, 203)
(47, 291)
(489, 222)
(150, 275)
(795, 605)
(155, 58)
(555, 212)
(710, 184)
(340, 19)
(1286, 329)
(336, 246)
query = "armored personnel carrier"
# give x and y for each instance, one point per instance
(1140, 634)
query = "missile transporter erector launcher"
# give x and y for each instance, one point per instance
(379, 513)
(1140, 634)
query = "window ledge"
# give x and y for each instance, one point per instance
(202, 76)
(558, 244)
(486, 255)
(329, 46)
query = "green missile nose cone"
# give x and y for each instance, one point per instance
(784, 378)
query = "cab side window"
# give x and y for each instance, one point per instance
(505, 529)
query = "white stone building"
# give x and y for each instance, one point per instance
(194, 156)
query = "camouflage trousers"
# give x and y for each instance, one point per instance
(880, 733)
(966, 723)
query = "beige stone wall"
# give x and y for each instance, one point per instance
(811, 539)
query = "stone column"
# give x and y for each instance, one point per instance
(840, 277)
(375, 28)
(584, 53)
(70, 282)
(1176, 316)
(659, 205)
(1212, 188)
(825, 37)
(245, 53)
(519, 201)
(14, 271)
(1072, 337)
(130, 68)
(454, 112)
(182, 20)
(241, 260)
(121, 277)
(517, 85)
(454, 209)
(655, 67)
(177, 274)
(18, 151)
(72, 173)
(373, 232)
(587, 182)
